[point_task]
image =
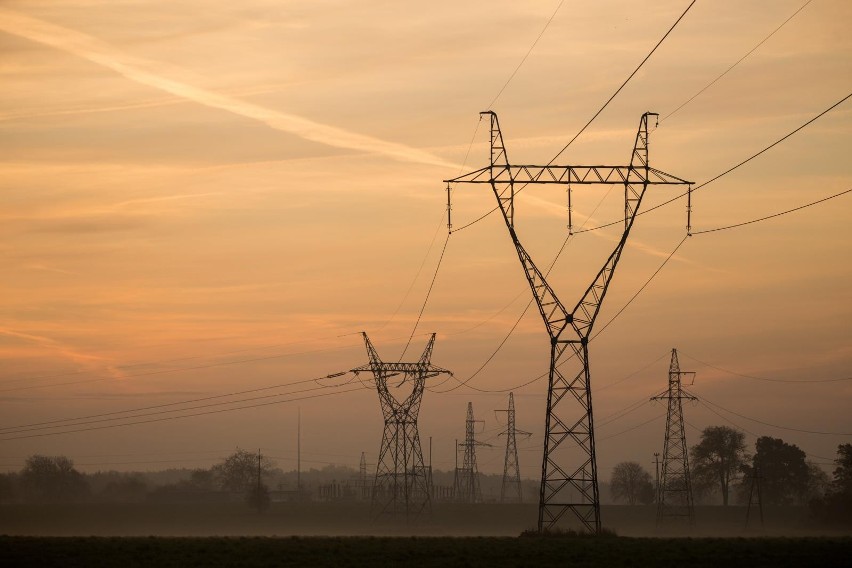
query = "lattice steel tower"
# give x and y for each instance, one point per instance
(569, 478)
(510, 491)
(467, 488)
(675, 502)
(401, 487)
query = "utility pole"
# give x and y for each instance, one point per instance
(362, 475)
(754, 492)
(569, 476)
(657, 477)
(510, 490)
(467, 489)
(675, 502)
(401, 487)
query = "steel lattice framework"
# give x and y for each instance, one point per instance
(401, 487)
(675, 502)
(511, 491)
(467, 488)
(569, 480)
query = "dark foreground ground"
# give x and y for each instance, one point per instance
(353, 519)
(430, 551)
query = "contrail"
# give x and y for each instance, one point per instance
(133, 68)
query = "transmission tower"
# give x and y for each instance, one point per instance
(675, 502)
(401, 487)
(510, 491)
(569, 478)
(467, 489)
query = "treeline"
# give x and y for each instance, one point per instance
(723, 471)
(241, 475)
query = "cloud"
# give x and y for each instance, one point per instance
(134, 69)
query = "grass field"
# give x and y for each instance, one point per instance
(353, 519)
(440, 552)
(341, 534)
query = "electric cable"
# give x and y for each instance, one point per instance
(763, 378)
(426, 300)
(740, 60)
(583, 129)
(726, 172)
(512, 76)
(5, 429)
(799, 208)
(802, 430)
(169, 418)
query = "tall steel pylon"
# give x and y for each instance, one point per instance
(467, 488)
(510, 491)
(569, 478)
(401, 487)
(675, 502)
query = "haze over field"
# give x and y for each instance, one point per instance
(208, 197)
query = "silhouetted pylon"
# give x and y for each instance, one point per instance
(467, 488)
(401, 487)
(510, 490)
(675, 501)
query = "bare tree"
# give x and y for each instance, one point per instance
(631, 483)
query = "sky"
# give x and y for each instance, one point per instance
(203, 198)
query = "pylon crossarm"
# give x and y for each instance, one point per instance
(566, 175)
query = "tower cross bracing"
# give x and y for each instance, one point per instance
(401, 486)
(569, 479)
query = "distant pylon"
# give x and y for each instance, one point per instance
(675, 492)
(754, 496)
(511, 491)
(401, 487)
(467, 488)
(362, 476)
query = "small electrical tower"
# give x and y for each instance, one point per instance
(467, 489)
(675, 502)
(755, 499)
(569, 474)
(510, 491)
(401, 487)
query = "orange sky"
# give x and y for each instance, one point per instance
(205, 197)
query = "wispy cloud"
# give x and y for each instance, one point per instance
(136, 69)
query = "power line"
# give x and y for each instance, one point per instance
(426, 300)
(167, 418)
(824, 199)
(633, 428)
(179, 403)
(805, 431)
(188, 358)
(543, 375)
(647, 57)
(419, 270)
(75, 423)
(512, 76)
(766, 378)
(740, 60)
(175, 370)
(633, 374)
(726, 172)
(600, 110)
(639, 291)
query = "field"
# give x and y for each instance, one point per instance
(353, 519)
(340, 534)
(418, 551)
